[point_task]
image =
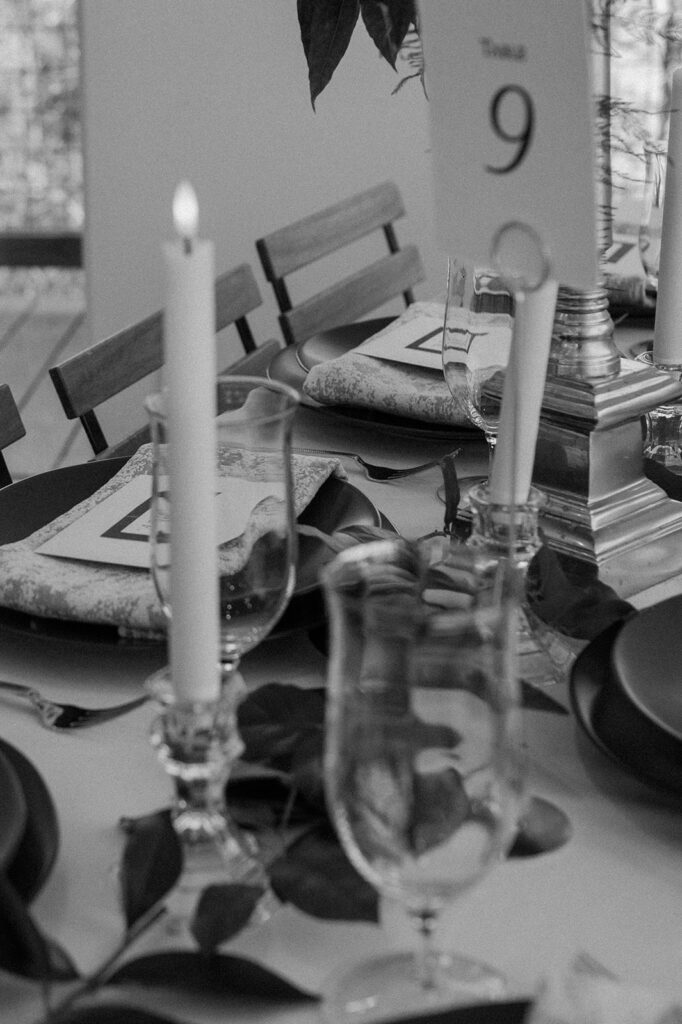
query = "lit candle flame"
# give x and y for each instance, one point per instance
(186, 212)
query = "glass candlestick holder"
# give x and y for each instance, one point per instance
(197, 742)
(512, 531)
(663, 425)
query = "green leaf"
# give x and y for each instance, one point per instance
(218, 974)
(222, 912)
(326, 29)
(24, 949)
(316, 876)
(387, 22)
(267, 804)
(152, 863)
(111, 1013)
(275, 718)
(308, 772)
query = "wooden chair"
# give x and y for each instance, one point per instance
(11, 429)
(305, 241)
(107, 368)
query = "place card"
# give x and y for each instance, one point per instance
(116, 530)
(419, 342)
(513, 123)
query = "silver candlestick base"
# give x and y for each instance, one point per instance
(601, 509)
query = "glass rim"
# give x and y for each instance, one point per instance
(155, 401)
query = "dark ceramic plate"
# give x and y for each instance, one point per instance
(29, 504)
(591, 692)
(37, 849)
(13, 812)
(291, 364)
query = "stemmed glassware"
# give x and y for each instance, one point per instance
(475, 349)
(423, 771)
(256, 556)
(651, 224)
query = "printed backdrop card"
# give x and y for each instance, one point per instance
(513, 125)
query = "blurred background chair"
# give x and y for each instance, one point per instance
(87, 379)
(11, 429)
(304, 242)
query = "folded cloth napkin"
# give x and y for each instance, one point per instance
(60, 588)
(355, 379)
(628, 295)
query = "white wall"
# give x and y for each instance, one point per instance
(216, 91)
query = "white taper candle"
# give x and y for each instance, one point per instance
(524, 386)
(190, 374)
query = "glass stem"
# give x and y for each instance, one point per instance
(427, 955)
(492, 441)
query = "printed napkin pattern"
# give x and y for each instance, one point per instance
(355, 379)
(60, 588)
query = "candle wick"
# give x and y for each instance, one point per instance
(187, 245)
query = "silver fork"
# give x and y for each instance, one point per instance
(372, 471)
(68, 716)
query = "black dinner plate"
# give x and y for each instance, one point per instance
(28, 504)
(590, 680)
(37, 849)
(13, 812)
(291, 364)
(508, 1012)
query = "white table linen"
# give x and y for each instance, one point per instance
(612, 890)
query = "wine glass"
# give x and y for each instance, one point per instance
(422, 765)
(477, 332)
(651, 224)
(256, 548)
(256, 559)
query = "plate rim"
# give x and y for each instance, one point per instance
(28, 774)
(399, 426)
(74, 632)
(583, 692)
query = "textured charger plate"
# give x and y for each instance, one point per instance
(291, 364)
(27, 505)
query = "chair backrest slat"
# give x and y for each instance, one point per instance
(320, 234)
(110, 366)
(309, 239)
(354, 296)
(11, 429)
(252, 363)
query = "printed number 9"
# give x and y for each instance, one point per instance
(523, 137)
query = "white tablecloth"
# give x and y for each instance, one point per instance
(614, 890)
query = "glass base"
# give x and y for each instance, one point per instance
(209, 864)
(388, 987)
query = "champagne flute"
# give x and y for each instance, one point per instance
(256, 557)
(422, 757)
(477, 331)
(651, 224)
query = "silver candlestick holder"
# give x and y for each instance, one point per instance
(601, 509)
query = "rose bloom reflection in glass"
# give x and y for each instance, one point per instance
(422, 765)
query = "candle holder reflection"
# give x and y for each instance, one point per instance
(663, 425)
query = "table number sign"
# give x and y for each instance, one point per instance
(512, 121)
